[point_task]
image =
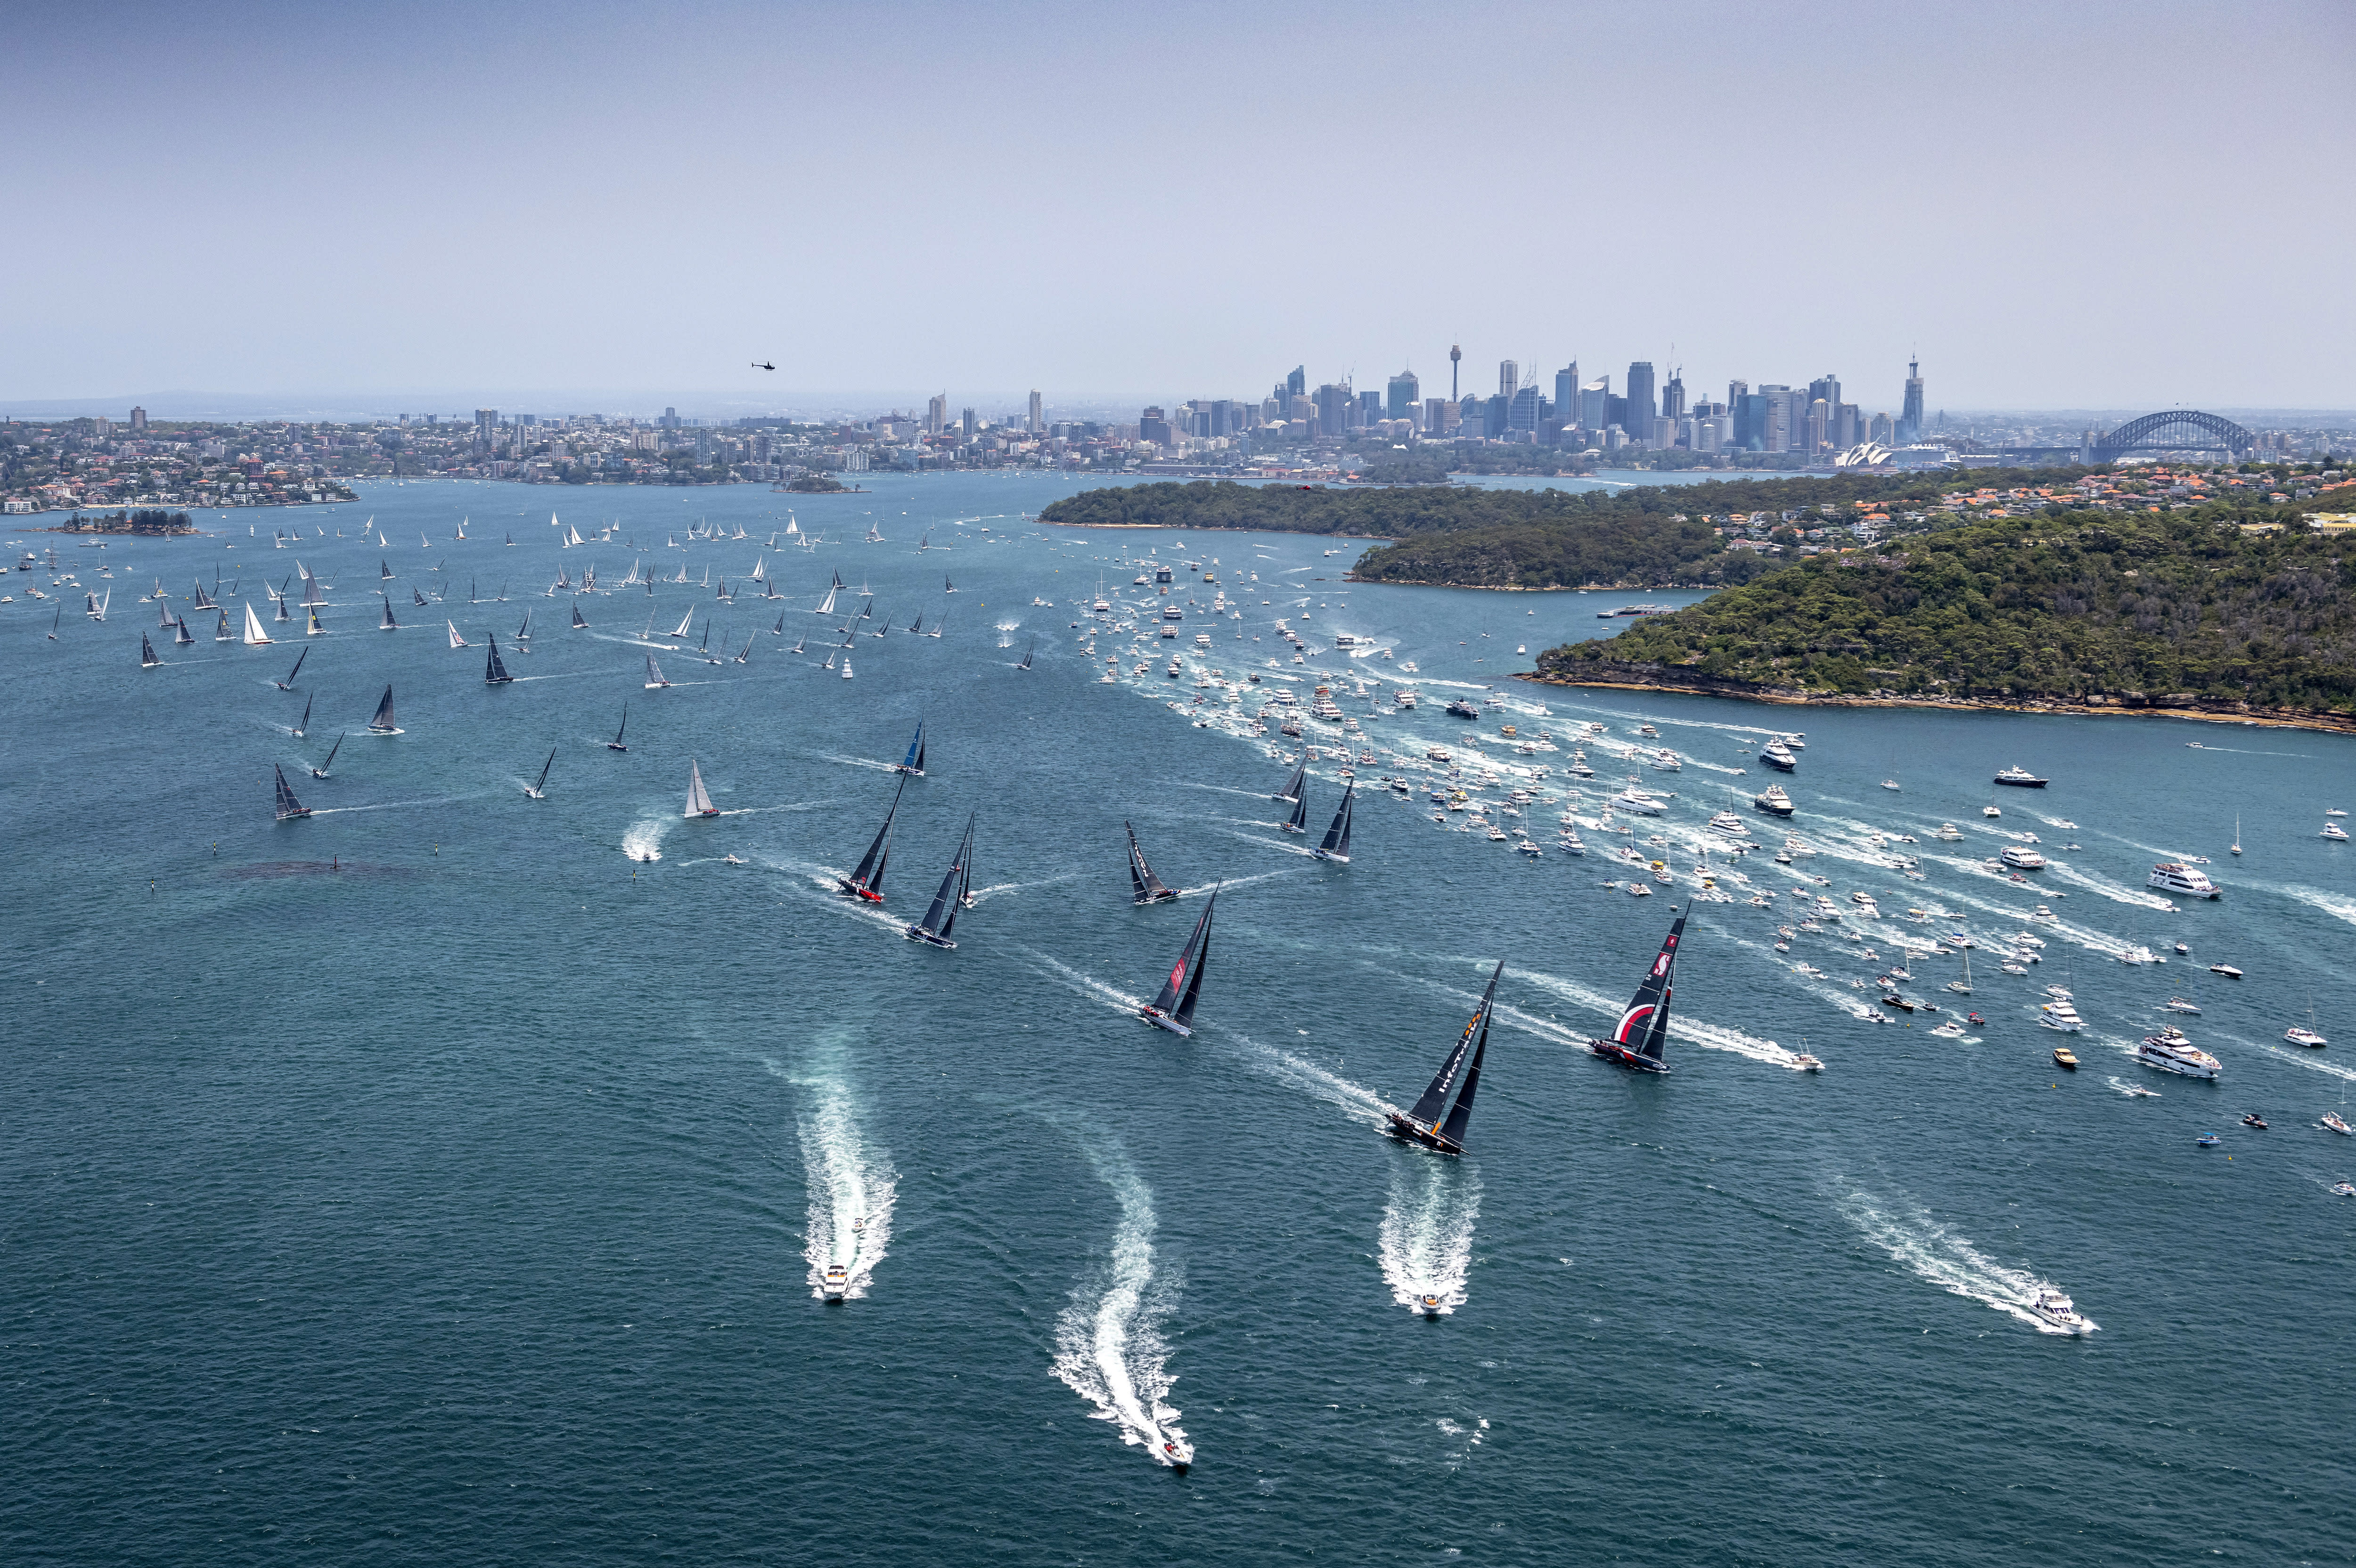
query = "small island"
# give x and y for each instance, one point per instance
(147, 522)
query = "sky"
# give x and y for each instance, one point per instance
(2098, 205)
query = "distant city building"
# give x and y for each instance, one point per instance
(1566, 393)
(1641, 405)
(1910, 414)
(1526, 410)
(1404, 392)
(1034, 424)
(1297, 384)
(138, 421)
(487, 426)
(967, 425)
(1509, 378)
(1154, 427)
(1673, 398)
(1455, 356)
(1595, 405)
(1333, 401)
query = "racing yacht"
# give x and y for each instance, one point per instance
(1643, 1031)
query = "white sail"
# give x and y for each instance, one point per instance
(683, 621)
(698, 803)
(456, 640)
(255, 636)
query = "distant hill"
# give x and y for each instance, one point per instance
(2100, 610)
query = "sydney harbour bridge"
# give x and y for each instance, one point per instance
(2176, 430)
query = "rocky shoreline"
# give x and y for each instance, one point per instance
(1619, 676)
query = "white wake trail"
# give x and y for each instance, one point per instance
(644, 839)
(1426, 1237)
(1934, 1253)
(1109, 1347)
(852, 1186)
(2338, 905)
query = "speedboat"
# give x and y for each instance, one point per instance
(1177, 1453)
(1802, 1062)
(2334, 832)
(2176, 1055)
(1428, 1305)
(1950, 1030)
(2255, 1120)
(2332, 1122)
(730, 860)
(2178, 1005)
(2173, 876)
(2019, 778)
(837, 1282)
(2344, 1189)
(1947, 833)
(2207, 1140)
(2183, 950)
(2058, 1310)
(2298, 1034)
(2225, 969)
(2065, 1059)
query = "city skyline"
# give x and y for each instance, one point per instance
(605, 200)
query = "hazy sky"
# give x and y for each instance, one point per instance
(2107, 205)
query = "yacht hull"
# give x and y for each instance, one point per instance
(1619, 1055)
(1407, 1131)
(1162, 1020)
(918, 933)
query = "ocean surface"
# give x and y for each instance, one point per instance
(468, 1201)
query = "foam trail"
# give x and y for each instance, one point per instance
(2133, 1091)
(1108, 1349)
(1944, 1258)
(979, 894)
(394, 805)
(1362, 1103)
(1085, 984)
(858, 761)
(852, 1186)
(2304, 1056)
(644, 839)
(2338, 905)
(2115, 892)
(1426, 1236)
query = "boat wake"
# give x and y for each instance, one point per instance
(2303, 1057)
(1936, 1254)
(786, 805)
(1362, 1103)
(2116, 892)
(851, 1186)
(392, 804)
(1086, 985)
(979, 894)
(2132, 1091)
(1006, 630)
(1426, 1237)
(1692, 1030)
(858, 761)
(1109, 1347)
(2338, 905)
(644, 839)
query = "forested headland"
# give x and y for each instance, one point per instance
(2073, 609)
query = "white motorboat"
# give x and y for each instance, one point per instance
(2172, 877)
(2332, 1122)
(2334, 832)
(2060, 1016)
(2297, 1035)
(1774, 801)
(1636, 800)
(2138, 954)
(836, 1282)
(2170, 1053)
(1948, 833)
(2058, 1310)
(2178, 1005)
(1950, 1030)
(1991, 811)
(2021, 857)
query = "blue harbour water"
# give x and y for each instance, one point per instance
(467, 1202)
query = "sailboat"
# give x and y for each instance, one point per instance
(384, 569)
(616, 743)
(147, 659)
(538, 789)
(314, 629)
(1145, 887)
(917, 626)
(180, 631)
(456, 640)
(93, 608)
(946, 586)
(203, 601)
(255, 636)
(382, 723)
(684, 621)
(1172, 1007)
(1027, 653)
(779, 629)
(744, 654)
(940, 919)
(414, 595)
(1433, 1123)
(799, 641)
(654, 674)
(2237, 833)
(1963, 988)
(914, 763)
(282, 617)
(1643, 1031)
(578, 623)
(387, 624)
(1299, 821)
(305, 722)
(698, 804)
(1290, 793)
(523, 632)
(288, 683)
(866, 880)
(321, 771)
(288, 807)
(1336, 847)
(494, 672)
(826, 606)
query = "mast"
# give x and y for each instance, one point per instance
(1292, 789)
(288, 683)
(494, 672)
(1337, 846)
(626, 725)
(965, 869)
(288, 807)
(543, 785)
(321, 771)
(305, 722)
(382, 723)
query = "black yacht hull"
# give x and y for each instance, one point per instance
(1407, 1131)
(1619, 1055)
(918, 933)
(1164, 897)
(1161, 1019)
(1779, 765)
(2022, 783)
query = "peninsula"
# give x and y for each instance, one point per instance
(2194, 615)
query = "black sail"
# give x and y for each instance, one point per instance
(1299, 820)
(1145, 888)
(287, 805)
(1452, 1130)
(578, 623)
(1184, 981)
(870, 871)
(1185, 1013)
(390, 624)
(1337, 833)
(1292, 789)
(1426, 1110)
(1645, 1027)
(494, 672)
(383, 719)
(147, 652)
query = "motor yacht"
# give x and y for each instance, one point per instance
(1776, 803)
(1636, 800)
(2334, 832)
(2019, 778)
(2170, 1053)
(2061, 1015)
(1777, 756)
(2065, 1059)
(2178, 1005)
(2225, 969)
(2021, 857)
(1947, 833)
(837, 1282)
(2172, 877)
(2058, 1310)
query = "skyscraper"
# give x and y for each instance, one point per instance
(1566, 393)
(1036, 424)
(1909, 416)
(487, 426)
(1297, 384)
(1333, 409)
(1639, 423)
(937, 414)
(1509, 378)
(966, 424)
(138, 421)
(1405, 391)
(1595, 405)
(1673, 397)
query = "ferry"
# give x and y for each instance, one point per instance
(2021, 857)
(2172, 877)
